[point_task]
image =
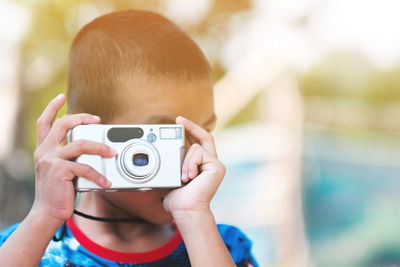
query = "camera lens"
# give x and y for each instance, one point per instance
(140, 159)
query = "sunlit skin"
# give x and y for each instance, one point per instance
(155, 102)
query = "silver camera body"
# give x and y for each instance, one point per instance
(149, 156)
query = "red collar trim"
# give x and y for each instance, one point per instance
(126, 257)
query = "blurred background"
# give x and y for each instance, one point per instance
(307, 97)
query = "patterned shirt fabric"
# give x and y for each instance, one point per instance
(71, 247)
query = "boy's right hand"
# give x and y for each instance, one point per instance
(55, 172)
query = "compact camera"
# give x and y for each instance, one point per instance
(149, 156)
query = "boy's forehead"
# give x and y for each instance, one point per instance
(160, 100)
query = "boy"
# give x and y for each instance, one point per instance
(131, 67)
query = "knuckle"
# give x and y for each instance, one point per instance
(208, 138)
(196, 146)
(39, 121)
(58, 122)
(80, 144)
(38, 165)
(37, 155)
(86, 169)
(193, 167)
(46, 162)
(62, 121)
(82, 117)
(42, 161)
(99, 178)
(103, 149)
(56, 163)
(90, 172)
(184, 165)
(222, 168)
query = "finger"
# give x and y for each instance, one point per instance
(191, 139)
(188, 171)
(61, 126)
(87, 172)
(185, 176)
(79, 147)
(46, 119)
(194, 162)
(200, 135)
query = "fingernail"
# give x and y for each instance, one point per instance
(180, 118)
(113, 151)
(59, 96)
(183, 176)
(108, 182)
(96, 117)
(190, 175)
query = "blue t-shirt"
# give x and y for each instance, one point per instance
(75, 249)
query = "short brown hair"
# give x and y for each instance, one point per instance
(129, 42)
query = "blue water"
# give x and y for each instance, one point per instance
(342, 193)
(352, 201)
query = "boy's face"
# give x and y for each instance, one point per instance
(160, 102)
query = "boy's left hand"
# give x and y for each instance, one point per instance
(201, 168)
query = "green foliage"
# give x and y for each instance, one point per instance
(341, 74)
(384, 87)
(349, 74)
